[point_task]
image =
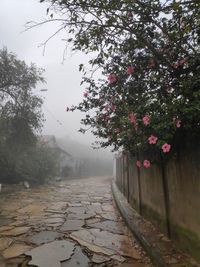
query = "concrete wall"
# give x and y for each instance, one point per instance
(169, 197)
(134, 191)
(183, 176)
(152, 196)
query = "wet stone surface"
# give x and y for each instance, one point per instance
(51, 254)
(5, 220)
(113, 227)
(44, 237)
(78, 259)
(72, 223)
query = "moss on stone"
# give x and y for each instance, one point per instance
(186, 240)
(155, 218)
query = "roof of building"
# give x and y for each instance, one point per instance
(50, 141)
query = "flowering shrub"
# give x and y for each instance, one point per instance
(148, 52)
(146, 163)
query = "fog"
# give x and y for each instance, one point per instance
(96, 162)
(62, 78)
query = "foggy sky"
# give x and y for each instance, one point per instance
(63, 80)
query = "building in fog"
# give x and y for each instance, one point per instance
(69, 166)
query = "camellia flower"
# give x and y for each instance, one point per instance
(138, 164)
(153, 139)
(113, 107)
(106, 108)
(182, 23)
(130, 14)
(166, 148)
(106, 117)
(175, 65)
(132, 118)
(112, 78)
(178, 123)
(130, 69)
(182, 62)
(85, 94)
(179, 63)
(146, 163)
(146, 119)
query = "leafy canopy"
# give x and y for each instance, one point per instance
(148, 55)
(20, 119)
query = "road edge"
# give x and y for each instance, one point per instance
(133, 219)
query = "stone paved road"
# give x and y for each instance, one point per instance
(72, 223)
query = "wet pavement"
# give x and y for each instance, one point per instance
(72, 223)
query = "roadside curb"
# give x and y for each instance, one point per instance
(152, 243)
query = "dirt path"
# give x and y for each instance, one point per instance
(72, 223)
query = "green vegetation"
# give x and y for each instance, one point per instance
(148, 55)
(21, 158)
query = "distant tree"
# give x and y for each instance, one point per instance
(20, 119)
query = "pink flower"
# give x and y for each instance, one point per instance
(106, 117)
(113, 107)
(85, 94)
(175, 65)
(132, 118)
(182, 23)
(152, 139)
(112, 78)
(130, 14)
(146, 119)
(146, 163)
(166, 148)
(138, 164)
(178, 123)
(179, 63)
(182, 62)
(106, 108)
(130, 69)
